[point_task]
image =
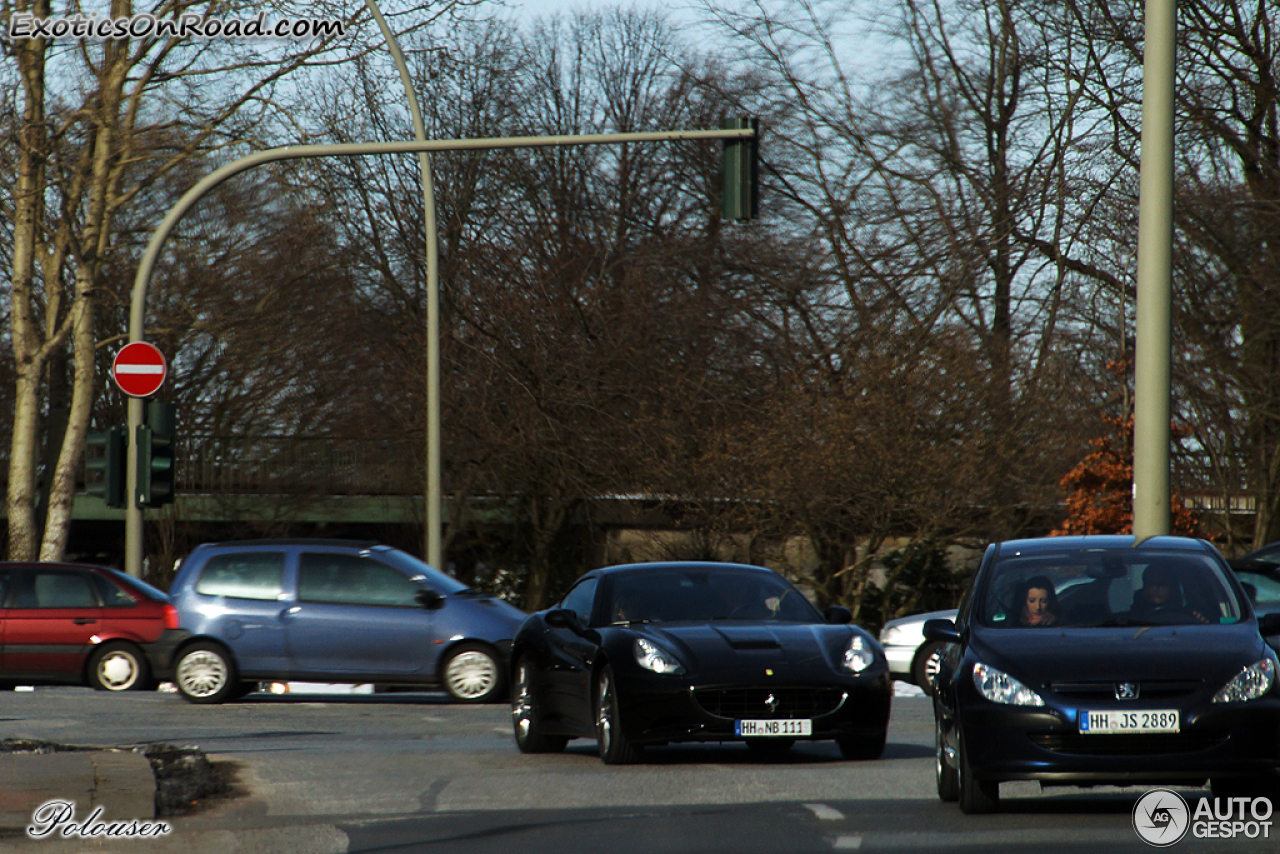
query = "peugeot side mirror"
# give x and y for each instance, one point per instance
(941, 630)
(1269, 624)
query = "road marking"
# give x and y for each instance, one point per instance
(847, 843)
(824, 812)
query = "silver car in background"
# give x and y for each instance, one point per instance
(912, 658)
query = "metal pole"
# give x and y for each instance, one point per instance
(1151, 434)
(433, 489)
(138, 298)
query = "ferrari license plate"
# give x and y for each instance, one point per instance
(756, 729)
(1150, 720)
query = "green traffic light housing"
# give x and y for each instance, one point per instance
(104, 463)
(740, 199)
(156, 439)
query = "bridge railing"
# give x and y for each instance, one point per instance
(276, 465)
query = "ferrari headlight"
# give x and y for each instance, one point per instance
(999, 687)
(1249, 684)
(858, 655)
(653, 657)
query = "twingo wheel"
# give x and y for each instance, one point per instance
(947, 778)
(205, 673)
(526, 716)
(473, 674)
(615, 747)
(976, 796)
(118, 666)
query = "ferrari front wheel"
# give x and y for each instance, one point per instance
(615, 747)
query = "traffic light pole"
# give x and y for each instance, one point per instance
(137, 308)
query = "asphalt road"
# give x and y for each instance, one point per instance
(416, 772)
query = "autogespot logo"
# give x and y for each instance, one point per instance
(1161, 818)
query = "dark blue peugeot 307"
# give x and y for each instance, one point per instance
(1091, 660)
(333, 611)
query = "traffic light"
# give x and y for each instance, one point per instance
(740, 199)
(104, 462)
(155, 463)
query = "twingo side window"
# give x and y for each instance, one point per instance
(345, 579)
(243, 575)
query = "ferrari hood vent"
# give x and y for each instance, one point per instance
(755, 644)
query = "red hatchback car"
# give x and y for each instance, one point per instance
(83, 625)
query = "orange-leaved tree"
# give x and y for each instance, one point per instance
(1100, 488)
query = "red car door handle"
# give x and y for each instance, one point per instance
(84, 621)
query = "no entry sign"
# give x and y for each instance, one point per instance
(139, 369)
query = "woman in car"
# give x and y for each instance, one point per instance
(1037, 602)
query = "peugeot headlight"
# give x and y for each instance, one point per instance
(653, 657)
(999, 687)
(1249, 684)
(858, 655)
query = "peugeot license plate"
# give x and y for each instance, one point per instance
(1111, 721)
(756, 729)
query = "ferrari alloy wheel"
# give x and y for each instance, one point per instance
(976, 796)
(945, 775)
(526, 718)
(472, 675)
(117, 667)
(205, 674)
(615, 747)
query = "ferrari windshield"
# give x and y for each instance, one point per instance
(667, 594)
(1087, 588)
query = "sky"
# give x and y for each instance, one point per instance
(538, 8)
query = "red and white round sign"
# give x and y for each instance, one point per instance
(139, 369)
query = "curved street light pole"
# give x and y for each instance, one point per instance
(142, 279)
(433, 489)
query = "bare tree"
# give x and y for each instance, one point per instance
(101, 122)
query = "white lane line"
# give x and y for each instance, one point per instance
(847, 843)
(824, 812)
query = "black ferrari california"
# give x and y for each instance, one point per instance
(1091, 660)
(653, 653)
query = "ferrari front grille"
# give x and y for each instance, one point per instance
(768, 702)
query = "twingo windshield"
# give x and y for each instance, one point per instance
(667, 594)
(1095, 588)
(443, 584)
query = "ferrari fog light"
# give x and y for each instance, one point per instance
(1249, 684)
(999, 687)
(653, 657)
(858, 655)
